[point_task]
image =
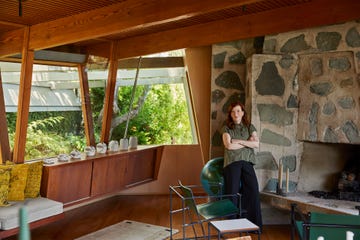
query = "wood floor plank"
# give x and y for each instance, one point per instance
(152, 209)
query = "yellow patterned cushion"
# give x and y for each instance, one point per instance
(4, 184)
(32, 189)
(17, 182)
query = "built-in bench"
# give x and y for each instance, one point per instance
(20, 187)
(40, 211)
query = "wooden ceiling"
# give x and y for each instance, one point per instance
(141, 27)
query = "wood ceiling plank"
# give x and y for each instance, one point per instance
(311, 14)
(124, 16)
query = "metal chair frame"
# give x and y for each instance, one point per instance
(307, 225)
(197, 218)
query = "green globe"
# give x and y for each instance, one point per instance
(212, 176)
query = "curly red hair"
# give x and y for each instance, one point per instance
(244, 120)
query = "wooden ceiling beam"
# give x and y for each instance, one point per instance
(153, 62)
(117, 18)
(11, 42)
(40, 62)
(12, 24)
(311, 14)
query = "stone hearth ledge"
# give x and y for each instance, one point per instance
(307, 203)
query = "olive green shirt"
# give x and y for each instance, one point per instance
(240, 131)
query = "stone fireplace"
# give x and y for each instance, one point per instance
(322, 167)
(303, 93)
(329, 98)
(304, 100)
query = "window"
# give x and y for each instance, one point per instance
(160, 113)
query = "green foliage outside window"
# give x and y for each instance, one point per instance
(44, 138)
(162, 118)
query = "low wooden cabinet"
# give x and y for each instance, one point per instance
(140, 167)
(109, 174)
(86, 178)
(67, 183)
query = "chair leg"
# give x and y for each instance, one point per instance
(292, 221)
(171, 214)
(191, 223)
(202, 229)
(194, 230)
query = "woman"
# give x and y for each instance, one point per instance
(240, 139)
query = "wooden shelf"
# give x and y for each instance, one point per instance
(89, 177)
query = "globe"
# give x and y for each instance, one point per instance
(212, 176)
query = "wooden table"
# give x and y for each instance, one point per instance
(240, 225)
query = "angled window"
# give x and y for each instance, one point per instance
(160, 113)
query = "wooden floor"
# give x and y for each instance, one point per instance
(149, 209)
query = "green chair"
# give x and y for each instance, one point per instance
(201, 208)
(212, 179)
(329, 226)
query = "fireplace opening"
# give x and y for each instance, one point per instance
(331, 171)
(348, 185)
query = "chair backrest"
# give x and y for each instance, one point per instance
(211, 209)
(332, 233)
(189, 200)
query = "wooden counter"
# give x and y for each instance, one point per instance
(82, 179)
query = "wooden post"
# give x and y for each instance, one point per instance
(86, 105)
(5, 153)
(24, 100)
(109, 94)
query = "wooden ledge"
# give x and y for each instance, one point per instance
(308, 203)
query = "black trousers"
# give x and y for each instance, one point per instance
(242, 173)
